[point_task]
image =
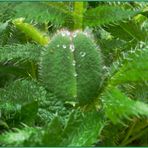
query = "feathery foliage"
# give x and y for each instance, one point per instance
(103, 15)
(20, 51)
(117, 105)
(57, 130)
(57, 13)
(17, 104)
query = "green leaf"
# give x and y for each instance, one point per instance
(20, 51)
(29, 113)
(104, 15)
(18, 101)
(18, 137)
(53, 133)
(118, 106)
(3, 26)
(73, 123)
(50, 107)
(134, 68)
(129, 30)
(110, 49)
(13, 70)
(83, 129)
(42, 12)
(6, 11)
(80, 130)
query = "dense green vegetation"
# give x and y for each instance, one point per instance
(73, 74)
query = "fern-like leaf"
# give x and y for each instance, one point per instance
(17, 138)
(83, 129)
(103, 15)
(134, 68)
(23, 103)
(53, 134)
(43, 12)
(118, 106)
(20, 52)
(129, 30)
(49, 107)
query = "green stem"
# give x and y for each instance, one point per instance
(78, 15)
(31, 31)
(46, 26)
(135, 137)
(129, 133)
(33, 67)
(141, 126)
(128, 32)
